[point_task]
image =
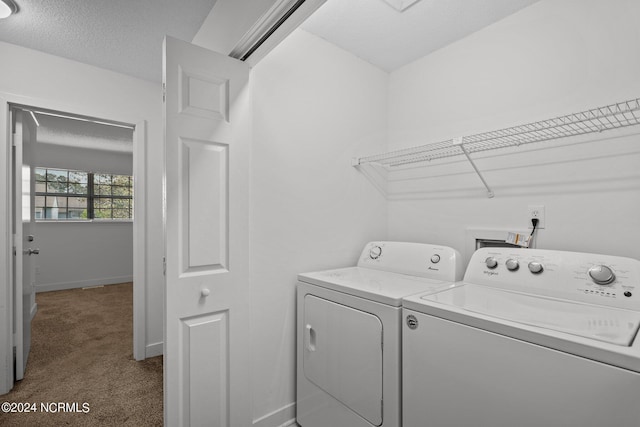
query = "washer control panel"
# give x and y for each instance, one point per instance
(416, 259)
(600, 279)
(375, 251)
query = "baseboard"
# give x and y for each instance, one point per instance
(283, 417)
(48, 287)
(153, 350)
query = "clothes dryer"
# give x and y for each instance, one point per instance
(349, 332)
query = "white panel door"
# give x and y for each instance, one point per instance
(207, 143)
(24, 264)
(343, 355)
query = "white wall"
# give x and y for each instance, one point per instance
(85, 159)
(553, 58)
(82, 254)
(105, 94)
(315, 107)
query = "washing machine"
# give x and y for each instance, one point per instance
(530, 338)
(349, 332)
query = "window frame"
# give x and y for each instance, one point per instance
(90, 196)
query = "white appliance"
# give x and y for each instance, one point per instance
(530, 338)
(349, 329)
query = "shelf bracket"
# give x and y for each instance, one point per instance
(459, 141)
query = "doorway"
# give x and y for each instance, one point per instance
(9, 105)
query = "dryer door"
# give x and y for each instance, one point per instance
(343, 355)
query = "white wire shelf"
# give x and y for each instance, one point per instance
(614, 116)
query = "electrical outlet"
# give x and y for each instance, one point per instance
(536, 211)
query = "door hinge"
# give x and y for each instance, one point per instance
(164, 92)
(164, 266)
(15, 245)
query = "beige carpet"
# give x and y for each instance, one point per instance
(82, 353)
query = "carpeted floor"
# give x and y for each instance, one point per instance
(81, 355)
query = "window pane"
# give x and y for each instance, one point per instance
(102, 213)
(75, 213)
(101, 178)
(78, 188)
(112, 194)
(121, 204)
(78, 177)
(124, 180)
(77, 202)
(121, 213)
(102, 203)
(56, 202)
(121, 191)
(56, 187)
(41, 174)
(56, 207)
(57, 180)
(102, 190)
(57, 175)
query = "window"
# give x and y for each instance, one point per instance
(77, 195)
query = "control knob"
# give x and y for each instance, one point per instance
(435, 258)
(491, 262)
(535, 267)
(512, 264)
(602, 275)
(375, 252)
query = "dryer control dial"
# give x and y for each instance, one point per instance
(512, 264)
(435, 258)
(535, 267)
(375, 252)
(602, 275)
(491, 262)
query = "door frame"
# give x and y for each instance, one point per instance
(6, 235)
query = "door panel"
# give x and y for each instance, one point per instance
(205, 190)
(207, 142)
(24, 262)
(206, 378)
(343, 355)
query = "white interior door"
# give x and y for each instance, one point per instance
(207, 143)
(24, 303)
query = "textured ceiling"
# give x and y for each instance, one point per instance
(126, 36)
(119, 35)
(376, 31)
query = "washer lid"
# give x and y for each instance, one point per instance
(609, 325)
(376, 285)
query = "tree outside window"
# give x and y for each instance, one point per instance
(78, 195)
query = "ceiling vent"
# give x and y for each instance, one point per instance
(400, 5)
